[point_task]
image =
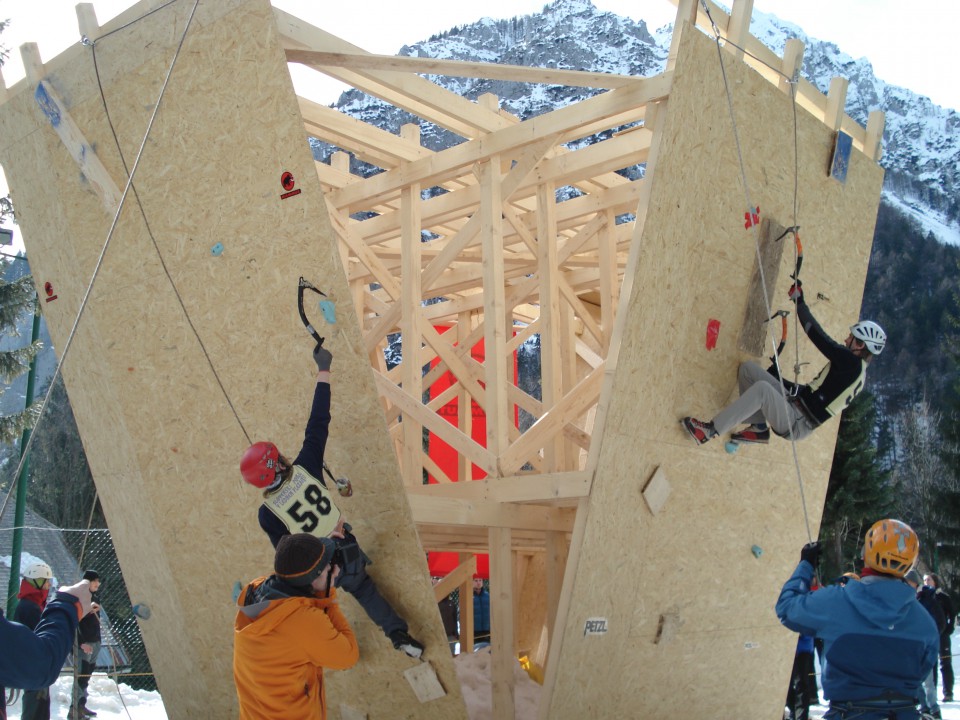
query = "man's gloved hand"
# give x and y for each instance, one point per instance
(322, 357)
(796, 292)
(811, 553)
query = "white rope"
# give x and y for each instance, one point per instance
(113, 225)
(756, 233)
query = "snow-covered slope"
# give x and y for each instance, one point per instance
(921, 140)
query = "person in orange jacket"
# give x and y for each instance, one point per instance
(289, 627)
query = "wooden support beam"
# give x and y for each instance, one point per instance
(502, 624)
(460, 575)
(495, 322)
(87, 21)
(480, 456)
(686, 12)
(573, 404)
(437, 510)
(836, 99)
(466, 610)
(555, 560)
(548, 270)
(738, 29)
(76, 144)
(541, 488)
(465, 399)
(564, 122)
(410, 326)
(369, 143)
(32, 64)
(404, 90)
(873, 145)
(792, 62)
(460, 68)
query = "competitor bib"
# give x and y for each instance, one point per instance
(303, 505)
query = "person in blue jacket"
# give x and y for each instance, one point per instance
(32, 659)
(481, 612)
(879, 642)
(761, 404)
(297, 500)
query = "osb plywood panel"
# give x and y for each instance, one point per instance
(725, 654)
(182, 356)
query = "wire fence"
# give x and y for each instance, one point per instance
(69, 553)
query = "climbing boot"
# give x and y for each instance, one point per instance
(752, 434)
(700, 431)
(402, 641)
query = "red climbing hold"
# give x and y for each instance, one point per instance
(713, 332)
(751, 218)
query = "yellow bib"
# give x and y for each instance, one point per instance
(303, 505)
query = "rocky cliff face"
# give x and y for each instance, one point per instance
(921, 140)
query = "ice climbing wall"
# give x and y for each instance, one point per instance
(190, 345)
(670, 613)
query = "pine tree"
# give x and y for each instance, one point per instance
(946, 558)
(17, 298)
(919, 474)
(859, 491)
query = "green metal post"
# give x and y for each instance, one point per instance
(13, 586)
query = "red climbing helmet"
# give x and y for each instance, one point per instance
(260, 464)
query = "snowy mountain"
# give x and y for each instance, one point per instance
(921, 140)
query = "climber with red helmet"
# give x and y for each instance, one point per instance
(762, 404)
(297, 500)
(878, 642)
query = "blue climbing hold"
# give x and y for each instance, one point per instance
(329, 311)
(217, 250)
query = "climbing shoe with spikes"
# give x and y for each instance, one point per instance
(700, 431)
(406, 644)
(752, 435)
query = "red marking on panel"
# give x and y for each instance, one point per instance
(713, 332)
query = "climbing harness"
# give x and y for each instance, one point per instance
(303, 286)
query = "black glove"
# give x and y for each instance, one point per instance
(811, 553)
(322, 357)
(796, 292)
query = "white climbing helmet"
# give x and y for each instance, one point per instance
(37, 571)
(870, 334)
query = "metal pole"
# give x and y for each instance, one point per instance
(13, 585)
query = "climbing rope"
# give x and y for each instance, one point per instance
(751, 213)
(106, 244)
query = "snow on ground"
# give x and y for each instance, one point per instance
(109, 700)
(113, 702)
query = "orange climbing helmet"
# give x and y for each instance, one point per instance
(260, 464)
(891, 547)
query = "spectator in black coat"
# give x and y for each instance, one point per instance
(946, 654)
(925, 596)
(88, 647)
